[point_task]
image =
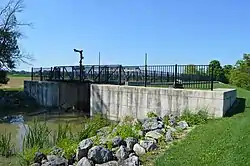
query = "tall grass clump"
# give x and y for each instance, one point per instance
(92, 125)
(6, 146)
(63, 132)
(38, 134)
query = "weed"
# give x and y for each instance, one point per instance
(69, 146)
(63, 132)
(6, 147)
(91, 126)
(194, 119)
(27, 157)
(125, 131)
(37, 135)
(151, 115)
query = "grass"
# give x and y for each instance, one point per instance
(221, 142)
(15, 83)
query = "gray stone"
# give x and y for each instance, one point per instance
(117, 141)
(54, 160)
(169, 137)
(130, 141)
(149, 145)
(100, 155)
(139, 150)
(110, 163)
(131, 161)
(172, 120)
(103, 131)
(122, 153)
(35, 164)
(83, 148)
(182, 125)
(85, 162)
(150, 124)
(153, 134)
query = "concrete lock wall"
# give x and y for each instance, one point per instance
(118, 101)
(54, 94)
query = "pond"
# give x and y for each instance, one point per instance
(17, 124)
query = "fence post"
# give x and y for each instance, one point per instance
(63, 73)
(161, 76)
(51, 73)
(41, 74)
(99, 68)
(32, 73)
(212, 78)
(146, 68)
(120, 74)
(175, 74)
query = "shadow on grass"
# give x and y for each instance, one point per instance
(238, 107)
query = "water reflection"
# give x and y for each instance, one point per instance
(18, 124)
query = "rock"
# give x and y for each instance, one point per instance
(122, 153)
(131, 161)
(100, 155)
(130, 141)
(149, 145)
(150, 124)
(161, 131)
(39, 157)
(138, 149)
(182, 125)
(56, 161)
(83, 148)
(85, 162)
(44, 161)
(110, 163)
(103, 131)
(35, 164)
(169, 137)
(117, 141)
(57, 151)
(153, 134)
(172, 120)
(72, 160)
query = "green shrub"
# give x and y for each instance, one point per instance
(151, 115)
(6, 147)
(126, 130)
(91, 126)
(194, 119)
(27, 156)
(38, 135)
(68, 145)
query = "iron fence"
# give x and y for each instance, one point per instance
(190, 76)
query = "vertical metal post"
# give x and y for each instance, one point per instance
(212, 78)
(51, 73)
(63, 74)
(99, 73)
(32, 73)
(41, 74)
(175, 74)
(146, 67)
(120, 74)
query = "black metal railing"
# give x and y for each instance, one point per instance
(190, 76)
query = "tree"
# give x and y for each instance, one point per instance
(217, 70)
(240, 74)
(191, 69)
(227, 71)
(10, 53)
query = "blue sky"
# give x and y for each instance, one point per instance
(170, 31)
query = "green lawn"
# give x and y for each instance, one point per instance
(220, 142)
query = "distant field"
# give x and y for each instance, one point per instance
(15, 82)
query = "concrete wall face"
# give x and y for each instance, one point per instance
(53, 94)
(118, 101)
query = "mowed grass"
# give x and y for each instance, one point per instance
(224, 141)
(15, 83)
